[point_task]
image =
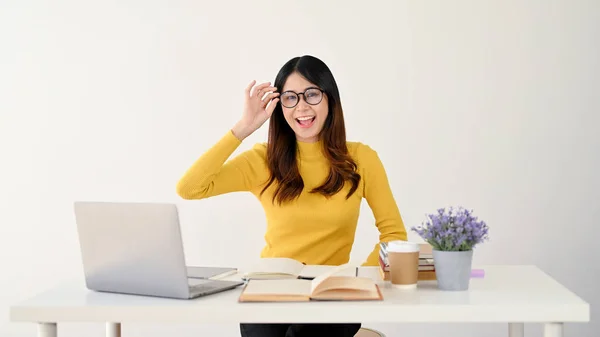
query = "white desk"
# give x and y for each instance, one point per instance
(511, 294)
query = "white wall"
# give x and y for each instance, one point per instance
(491, 105)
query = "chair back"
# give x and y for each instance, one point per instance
(366, 332)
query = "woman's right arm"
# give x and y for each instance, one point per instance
(212, 174)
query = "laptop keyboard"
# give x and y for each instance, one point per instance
(201, 285)
(202, 288)
(192, 282)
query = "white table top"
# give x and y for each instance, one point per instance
(505, 294)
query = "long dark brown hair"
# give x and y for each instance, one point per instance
(282, 147)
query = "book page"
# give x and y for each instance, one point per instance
(319, 279)
(294, 287)
(314, 271)
(344, 284)
(274, 266)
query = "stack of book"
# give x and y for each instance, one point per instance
(426, 266)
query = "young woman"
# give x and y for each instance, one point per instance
(308, 178)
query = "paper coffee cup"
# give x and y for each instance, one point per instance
(403, 257)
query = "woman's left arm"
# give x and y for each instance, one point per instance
(379, 196)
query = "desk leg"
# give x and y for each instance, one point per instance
(516, 330)
(553, 330)
(113, 329)
(46, 329)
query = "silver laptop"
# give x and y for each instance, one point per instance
(136, 248)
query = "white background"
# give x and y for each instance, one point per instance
(493, 105)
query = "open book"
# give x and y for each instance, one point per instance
(286, 268)
(329, 286)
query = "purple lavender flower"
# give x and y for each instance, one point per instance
(455, 229)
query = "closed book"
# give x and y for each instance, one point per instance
(425, 257)
(423, 275)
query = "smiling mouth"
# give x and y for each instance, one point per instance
(306, 122)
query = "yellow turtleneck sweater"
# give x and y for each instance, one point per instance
(312, 229)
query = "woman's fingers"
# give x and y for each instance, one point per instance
(267, 95)
(269, 109)
(249, 87)
(261, 90)
(261, 87)
(267, 90)
(268, 98)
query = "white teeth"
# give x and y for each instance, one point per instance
(304, 118)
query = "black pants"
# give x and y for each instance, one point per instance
(299, 330)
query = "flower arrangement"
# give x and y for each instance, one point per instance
(453, 229)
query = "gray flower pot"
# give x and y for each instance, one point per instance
(453, 269)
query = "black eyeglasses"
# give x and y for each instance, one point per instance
(312, 96)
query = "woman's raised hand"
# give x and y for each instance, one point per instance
(260, 101)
